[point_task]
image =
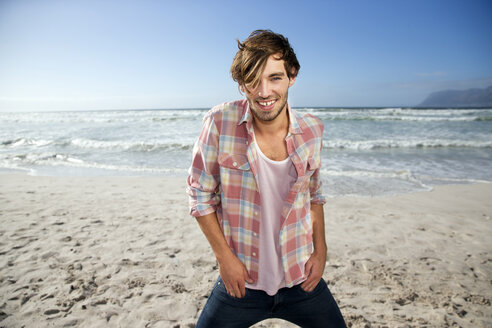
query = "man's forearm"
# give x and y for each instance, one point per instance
(318, 223)
(211, 229)
(315, 266)
(231, 269)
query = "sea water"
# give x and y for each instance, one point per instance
(366, 151)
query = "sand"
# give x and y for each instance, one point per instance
(123, 252)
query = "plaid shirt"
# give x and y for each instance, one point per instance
(222, 179)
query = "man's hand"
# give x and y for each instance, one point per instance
(231, 269)
(234, 274)
(315, 266)
(314, 269)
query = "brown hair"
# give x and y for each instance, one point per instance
(251, 58)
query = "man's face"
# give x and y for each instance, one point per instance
(269, 98)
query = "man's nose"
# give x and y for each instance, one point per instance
(263, 90)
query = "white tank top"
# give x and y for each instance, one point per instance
(274, 178)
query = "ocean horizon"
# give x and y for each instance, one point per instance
(34, 111)
(367, 151)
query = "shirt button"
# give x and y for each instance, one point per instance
(255, 234)
(234, 164)
(256, 213)
(254, 254)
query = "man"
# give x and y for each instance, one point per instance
(255, 190)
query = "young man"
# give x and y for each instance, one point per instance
(255, 190)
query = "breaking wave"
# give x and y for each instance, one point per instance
(391, 143)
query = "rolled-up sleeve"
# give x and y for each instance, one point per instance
(315, 187)
(203, 178)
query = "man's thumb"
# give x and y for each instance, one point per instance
(248, 278)
(307, 268)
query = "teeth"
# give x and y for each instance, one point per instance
(268, 103)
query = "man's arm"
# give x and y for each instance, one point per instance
(231, 269)
(315, 266)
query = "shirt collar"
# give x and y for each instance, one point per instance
(294, 127)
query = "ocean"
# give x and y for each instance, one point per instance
(366, 151)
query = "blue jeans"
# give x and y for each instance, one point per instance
(314, 309)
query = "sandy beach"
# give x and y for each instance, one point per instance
(123, 252)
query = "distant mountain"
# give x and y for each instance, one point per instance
(459, 98)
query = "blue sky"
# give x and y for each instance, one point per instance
(85, 55)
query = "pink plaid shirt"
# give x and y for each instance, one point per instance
(222, 179)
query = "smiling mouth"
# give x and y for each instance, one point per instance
(266, 103)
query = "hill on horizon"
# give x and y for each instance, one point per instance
(459, 98)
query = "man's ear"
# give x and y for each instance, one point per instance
(241, 88)
(292, 80)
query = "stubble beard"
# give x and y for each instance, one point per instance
(267, 116)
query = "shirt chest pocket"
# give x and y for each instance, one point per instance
(234, 162)
(235, 176)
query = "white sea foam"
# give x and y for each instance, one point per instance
(29, 162)
(402, 114)
(98, 144)
(163, 145)
(366, 150)
(101, 117)
(454, 180)
(131, 145)
(401, 175)
(393, 143)
(121, 168)
(20, 142)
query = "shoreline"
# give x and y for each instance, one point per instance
(180, 173)
(106, 251)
